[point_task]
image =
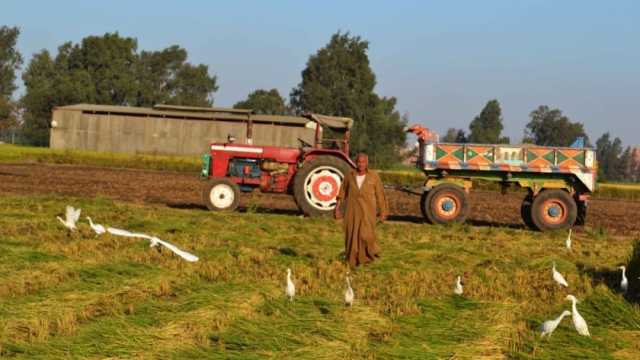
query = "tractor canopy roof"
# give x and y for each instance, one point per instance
(333, 122)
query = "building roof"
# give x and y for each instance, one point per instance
(202, 113)
(183, 114)
(201, 109)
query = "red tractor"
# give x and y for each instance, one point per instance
(313, 173)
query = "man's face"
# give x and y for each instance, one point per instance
(361, 163)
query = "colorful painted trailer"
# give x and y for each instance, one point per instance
(559, 180)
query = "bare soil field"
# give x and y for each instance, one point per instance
(183, 190)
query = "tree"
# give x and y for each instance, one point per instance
(386, 135)
(608, 154)
(454, 136)
(10, 61)
(108, 70)
(338, 81)
(625, 165)
(264, 102)
(635, 167)
(548, 127)
(43, 93)
(164, 77)
(487, 126)
(156, 71)
(193, 86)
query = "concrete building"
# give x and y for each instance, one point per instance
(170, 130)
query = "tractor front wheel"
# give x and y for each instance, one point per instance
(221, 194)
(317, 183)
(445, 203)
(553, 209)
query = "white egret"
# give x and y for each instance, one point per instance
(348, 293)
(126, 233)
(183, 254)
(558, 277)
(568, 241)
(549, 326)
(624, 283)
(99, 229)
(458, 288)
(291, 288)
(578, 320)
(72, 216)
(154, 243)
(120, 232)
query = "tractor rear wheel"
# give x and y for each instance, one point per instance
(553, 209)
(221, 194)
(445, 203)
(317, 183)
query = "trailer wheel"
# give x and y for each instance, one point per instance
(525, 212)
(445, 203)
(553, 210)
(221, 194)
(317, 183)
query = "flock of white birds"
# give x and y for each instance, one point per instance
(546, 329)
(72, 217)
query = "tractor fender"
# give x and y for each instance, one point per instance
(317, 152)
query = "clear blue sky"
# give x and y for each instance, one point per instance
(442, 60)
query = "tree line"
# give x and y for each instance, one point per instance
(337, 80)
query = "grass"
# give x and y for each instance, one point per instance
(619, 191)
(22, 154)
(76, 295)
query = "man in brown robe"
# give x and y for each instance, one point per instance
(363, 193)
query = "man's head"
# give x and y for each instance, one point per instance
(362, 162)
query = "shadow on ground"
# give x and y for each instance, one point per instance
(612, 277)
(190, 206)
(482, 223)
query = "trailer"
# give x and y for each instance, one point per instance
(559, 180)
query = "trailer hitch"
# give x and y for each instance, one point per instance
(403, 188)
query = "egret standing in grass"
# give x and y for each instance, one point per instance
(72, 216)
(99, 229)
(624, 283)
(558, 277)
(578, 320)
(458, 287)
(549, 326)
(291, 288)
(568, 241)
(348, 293)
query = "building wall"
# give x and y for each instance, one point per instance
(157, 135)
